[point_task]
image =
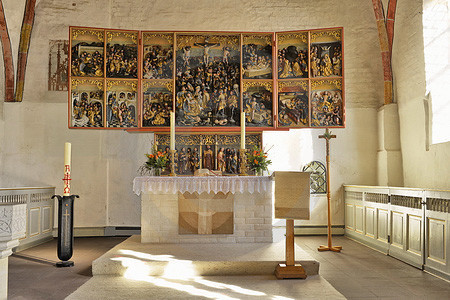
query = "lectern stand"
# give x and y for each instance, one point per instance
(290, 269)
(291, 202)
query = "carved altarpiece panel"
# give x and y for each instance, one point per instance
(279, 80)
(216, 152)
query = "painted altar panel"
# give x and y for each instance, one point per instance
(121, 54)
(216, 152)
(87, 52)
(293, 105)
(207, 80)
(198, 75)
(157, 55)
(292, 56)
(258, 103)
(87, 100)
(157, 103)
(326, 103)
(121, 103)
(257, 56)
(326, 53)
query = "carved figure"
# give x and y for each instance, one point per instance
(208, 159)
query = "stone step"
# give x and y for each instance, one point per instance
(131, 257)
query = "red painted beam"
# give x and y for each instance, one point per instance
(390, 22)
(25, 37)
(386, 47)
(7, 57)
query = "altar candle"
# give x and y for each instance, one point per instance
(67, 155)
(242, 130)
(172, 130)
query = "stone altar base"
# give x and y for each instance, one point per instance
(131, 256)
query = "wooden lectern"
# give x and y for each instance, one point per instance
(291, 202)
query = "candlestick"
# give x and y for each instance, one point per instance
(243, 164)
(172, 130)
(66, 179)
(242, 130)
(172, 163)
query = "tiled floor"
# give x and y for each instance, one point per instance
(357, 272)
(32, 274)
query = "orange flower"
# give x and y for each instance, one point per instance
(254, 152)
(265, 156)
(256, 162)
(151, 156)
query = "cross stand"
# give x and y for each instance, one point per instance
(328, 136)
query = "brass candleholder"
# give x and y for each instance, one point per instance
(172, 162)
(243, 165)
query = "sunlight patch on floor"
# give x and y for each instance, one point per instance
(180, 275)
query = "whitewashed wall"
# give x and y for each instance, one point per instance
(422, 168)
(105, 162)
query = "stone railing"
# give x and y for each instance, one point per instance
(39, 212)
(12, 228)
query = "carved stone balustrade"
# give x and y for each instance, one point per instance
(12, 228)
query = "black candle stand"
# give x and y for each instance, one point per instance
(65, 230)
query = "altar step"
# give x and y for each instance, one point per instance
(131, 257)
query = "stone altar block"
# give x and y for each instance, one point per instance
(220, 209)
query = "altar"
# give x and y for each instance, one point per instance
(205, 209)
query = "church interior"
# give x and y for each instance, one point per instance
(179, 134)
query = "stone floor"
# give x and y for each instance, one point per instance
(198, 259)
(357, 272)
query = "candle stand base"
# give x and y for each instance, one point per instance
(63, 264)
(172, 163)
(243, 164)
(65, 229)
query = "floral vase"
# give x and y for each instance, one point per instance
(258, 172)
(157, 172)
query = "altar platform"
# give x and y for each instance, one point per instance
(187, 260)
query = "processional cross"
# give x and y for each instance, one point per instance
(328, 136)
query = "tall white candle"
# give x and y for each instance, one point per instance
(67, 156)
(242, 130)
(172, 130)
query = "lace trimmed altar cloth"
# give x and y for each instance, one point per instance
(201, 184)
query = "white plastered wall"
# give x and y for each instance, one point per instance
(105, 162)
(422, 168)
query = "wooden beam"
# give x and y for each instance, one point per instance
(7, 57)
(25, 37)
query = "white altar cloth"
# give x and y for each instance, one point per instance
(201, 184)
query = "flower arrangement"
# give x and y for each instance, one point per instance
(156, 161)
(257, 160)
